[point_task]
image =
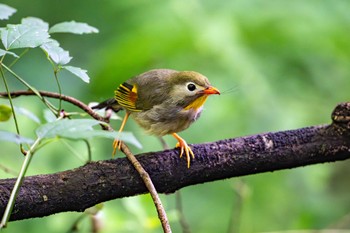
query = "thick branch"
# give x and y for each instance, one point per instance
(78, 189)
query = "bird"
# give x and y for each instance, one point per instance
(162, 102)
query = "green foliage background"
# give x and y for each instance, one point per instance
(279, 64)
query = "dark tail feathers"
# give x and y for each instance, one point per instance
(109, 104)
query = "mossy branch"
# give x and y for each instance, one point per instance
(100, 181)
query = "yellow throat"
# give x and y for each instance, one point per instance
(197, 103)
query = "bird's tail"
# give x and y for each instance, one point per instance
(109, 104)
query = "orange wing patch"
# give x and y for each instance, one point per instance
(126, 95)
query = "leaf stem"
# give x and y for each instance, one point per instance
(35, 91)
(20, 56)
(11, 104)
(56, 70)
(89, 149)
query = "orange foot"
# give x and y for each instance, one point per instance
(117, 144)
(182, 144)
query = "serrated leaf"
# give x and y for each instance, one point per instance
(12, 137)
(6, 11)
(72, 27)
(5, 112)
(27, 113)
(56, 53)
(3, 52)
(31, 33)
(80, 129)
(80, 73)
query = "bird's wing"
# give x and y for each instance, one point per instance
(144, 91)
(126, 96)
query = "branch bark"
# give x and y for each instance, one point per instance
(95, 182)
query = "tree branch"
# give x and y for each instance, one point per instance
(55, 95)
(95, 182)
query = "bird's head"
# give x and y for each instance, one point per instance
(190, 89)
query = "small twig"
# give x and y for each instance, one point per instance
(55, 95)
(150, 186)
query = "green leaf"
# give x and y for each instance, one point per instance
(55, 52)
(78, 72)
(72, 27)
(5, 112)
(3, 52)
(31, 33)
(27, 113)
(49, 116)
(53, 129)
(81, 129)
(6, 11)
(124, 136)
(12, 137)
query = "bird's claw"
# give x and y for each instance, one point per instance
(117, 144)
(184, 148)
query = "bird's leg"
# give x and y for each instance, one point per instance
(118, 143)
(182, 144)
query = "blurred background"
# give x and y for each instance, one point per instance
(279, 64)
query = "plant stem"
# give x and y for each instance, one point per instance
(59, 89)
(10, 100)
(20, 56)
(12, 107)
(20, 178)
(35, 91)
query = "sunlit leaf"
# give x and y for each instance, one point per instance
(32, 32)
(81, 129)
(5, 112)
(3, 52)
(27, 113)
(56, 53)
(6, 11)
(78, 72)
(73, 27)
(12, 137)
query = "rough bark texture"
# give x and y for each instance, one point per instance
(78, 189)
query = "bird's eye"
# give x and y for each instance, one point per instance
(191, 87)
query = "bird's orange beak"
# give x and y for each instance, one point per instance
(210, 91)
